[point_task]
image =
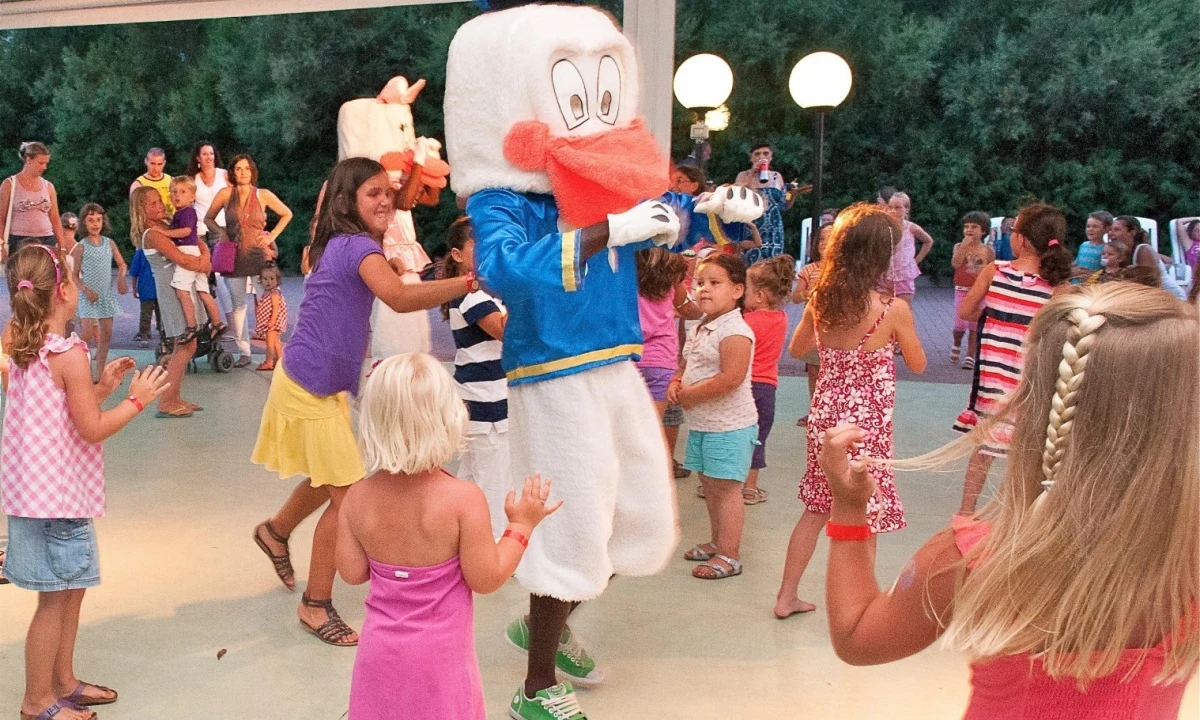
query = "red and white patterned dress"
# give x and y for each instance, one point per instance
(1013, 298)
(46, 469)
(270, 313)
(856, 386)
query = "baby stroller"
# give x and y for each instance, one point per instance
(207, 344)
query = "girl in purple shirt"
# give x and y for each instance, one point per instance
(305, 428)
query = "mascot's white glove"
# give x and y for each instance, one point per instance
(648, 221)
(733, 204)
(420, 151)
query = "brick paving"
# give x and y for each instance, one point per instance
(933, 308)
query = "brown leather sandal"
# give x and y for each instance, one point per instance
(331, 632)
(282, 563)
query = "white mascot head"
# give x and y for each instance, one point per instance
(544, 99)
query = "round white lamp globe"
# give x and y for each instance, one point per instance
(821, 79)
(703, 81)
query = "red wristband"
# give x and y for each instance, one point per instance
(847, 532)
(516, 536)
(136, 403)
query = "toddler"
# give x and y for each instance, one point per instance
(1074, 592)
(768, 284)
(855, 327)
(1007, 295)
(1114, 257)
(93, 263)
(968, 260)
(183, 234)
(661, 294)
(713, 387)
(146, 292)
(477, 322)
(423, 539)
(52, 474)
(270, 315)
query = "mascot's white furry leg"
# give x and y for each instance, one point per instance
(596, 436)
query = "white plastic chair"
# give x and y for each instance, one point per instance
(1183, 271)
(805, 238)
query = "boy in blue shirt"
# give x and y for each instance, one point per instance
(144, 290)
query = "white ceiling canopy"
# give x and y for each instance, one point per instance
(650, 25)
(57, 13)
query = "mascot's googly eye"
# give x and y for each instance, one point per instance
(729, 193)
(608, 90)
(571, 93)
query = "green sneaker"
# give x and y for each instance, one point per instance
(556, 702)
(572, 661)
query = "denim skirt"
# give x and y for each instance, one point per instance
(49, 555)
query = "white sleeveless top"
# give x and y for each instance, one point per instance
(205, 195)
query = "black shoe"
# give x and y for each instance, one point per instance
(242, 362)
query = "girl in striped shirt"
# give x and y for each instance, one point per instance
(1007, 295)
(477, 322)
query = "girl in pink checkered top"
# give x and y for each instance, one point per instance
(52, 474)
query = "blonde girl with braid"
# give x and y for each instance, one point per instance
(1074, 591)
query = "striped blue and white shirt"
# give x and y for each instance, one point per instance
(477, 370)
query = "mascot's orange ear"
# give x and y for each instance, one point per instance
(413, 91)
(525, 145)
(399, 92)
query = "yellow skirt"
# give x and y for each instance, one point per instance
(303, 434)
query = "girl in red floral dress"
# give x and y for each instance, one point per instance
(855, 329)
(270, 315)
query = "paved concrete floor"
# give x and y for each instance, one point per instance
(182, 581)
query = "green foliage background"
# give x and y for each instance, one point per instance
(965, 103)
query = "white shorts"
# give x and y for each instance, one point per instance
(596, 435)
(485, 462)
(189, 279)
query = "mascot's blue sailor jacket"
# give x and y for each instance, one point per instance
(564, 316)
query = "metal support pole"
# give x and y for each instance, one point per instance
(814, 236)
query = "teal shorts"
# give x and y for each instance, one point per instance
(721, 455)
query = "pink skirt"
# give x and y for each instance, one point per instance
(961, 325)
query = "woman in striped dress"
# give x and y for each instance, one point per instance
(1004, 299)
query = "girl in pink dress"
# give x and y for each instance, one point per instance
(424, 540)
(52, 474)
(855, 328)
(1075, 591)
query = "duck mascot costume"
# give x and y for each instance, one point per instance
(563, 184)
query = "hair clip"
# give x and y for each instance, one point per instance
(24, 285)
(1053, 242)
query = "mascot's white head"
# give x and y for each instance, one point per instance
(544, 99)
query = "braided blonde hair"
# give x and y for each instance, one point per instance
(1080, 339)
(1106, 414)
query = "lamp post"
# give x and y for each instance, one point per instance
(819, 82)
(703, 84)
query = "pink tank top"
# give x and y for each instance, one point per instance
(1013, 688)
(31, 210)
(46, 469)
(660, 333)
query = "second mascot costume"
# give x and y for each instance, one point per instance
(546, 144)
